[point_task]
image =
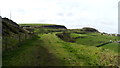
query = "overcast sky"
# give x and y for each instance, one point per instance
(99, 14)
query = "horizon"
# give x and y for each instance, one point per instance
(70, 13)
(65, 26)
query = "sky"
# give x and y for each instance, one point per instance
(99, 14)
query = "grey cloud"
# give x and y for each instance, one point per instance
(43, 20)
(60, 14)
(70, 14)
(65, 14)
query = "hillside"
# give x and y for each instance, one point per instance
(55, 45)
(12, 34)
(47, 49)
(10, 27)
(44, 26)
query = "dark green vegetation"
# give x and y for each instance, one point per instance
(12, 34)
(35, 24)
(49, 26)
(63, 47)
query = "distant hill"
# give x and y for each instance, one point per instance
(89, 29)
(54, 26)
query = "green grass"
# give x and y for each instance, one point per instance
(49, 50)
(94, 39)
(75, 54)
(77, 35)
(31, 53)
(112, 46)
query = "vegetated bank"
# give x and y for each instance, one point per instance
(13, 35)
(90, 37)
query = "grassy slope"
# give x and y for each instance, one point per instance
(94, 39)
(112, 46)
(49, 49)
(31, 53)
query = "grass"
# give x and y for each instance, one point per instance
(112, 46)
(33, 52)
(14, 57)
(78, 55)
(94, 39)
(47, 49)
(77, 35)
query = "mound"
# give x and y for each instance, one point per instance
(89, 29)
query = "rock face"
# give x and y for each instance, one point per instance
(54, 26)
(89, 29)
